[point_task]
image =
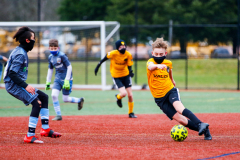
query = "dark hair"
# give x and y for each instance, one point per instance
(22, 34)
(53, 43)
(119, 43)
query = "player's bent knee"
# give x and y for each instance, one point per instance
(45, 97)
(54, 97)
(123, 94)
(65, 98)
(181, 119)
(130, 97)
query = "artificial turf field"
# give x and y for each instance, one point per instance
(101, 130)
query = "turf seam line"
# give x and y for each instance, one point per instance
(223, 155)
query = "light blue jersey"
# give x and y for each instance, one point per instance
(18, 62)
(60, 62)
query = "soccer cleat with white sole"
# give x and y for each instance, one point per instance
(32, 139)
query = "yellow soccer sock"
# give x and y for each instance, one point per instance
(130, 107)
(119, 97)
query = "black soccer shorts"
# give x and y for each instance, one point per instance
(166, 103)
(123, 81)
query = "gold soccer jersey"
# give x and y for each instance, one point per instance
(158, 80)
(119, 63)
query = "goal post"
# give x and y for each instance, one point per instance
(108, 34)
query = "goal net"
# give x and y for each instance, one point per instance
(84, 42)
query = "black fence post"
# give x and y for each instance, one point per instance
(38, 35)
(136, 38)
(86, 63)
(238, 30)
(186, 65)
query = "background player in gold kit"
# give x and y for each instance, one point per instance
(121, 71)
(161, 84)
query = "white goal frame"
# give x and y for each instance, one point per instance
(104, 38)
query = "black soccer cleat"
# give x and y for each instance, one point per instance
(202, 128)
(207, 135)
(119, 101)
(132, 115)
(80, 104)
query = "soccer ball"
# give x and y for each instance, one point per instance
(179, 133)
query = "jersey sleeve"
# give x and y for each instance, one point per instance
(65, 60)
(130, 60)
(17, 63)
(149, 62)
(1, 57)
(109, 55)
(170, 65)
(50, 65)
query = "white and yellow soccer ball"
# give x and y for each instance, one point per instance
(179, 133)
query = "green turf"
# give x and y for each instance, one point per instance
(103, 103)
(202, 73)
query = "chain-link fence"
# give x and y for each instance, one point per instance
(203, 56)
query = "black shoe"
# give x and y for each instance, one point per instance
(80, 104)
(207, 135)
(132, 115)
(119, 101)
(202, 128)
(57, 118)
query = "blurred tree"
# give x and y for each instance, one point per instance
(202, 12)
(82, 10)
(26, 10)
(181, 12)
(123, 12)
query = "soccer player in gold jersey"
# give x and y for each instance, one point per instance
(162, 87)
(121, 71)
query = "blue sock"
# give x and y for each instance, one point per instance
(75, 100)
(32, 126)
(57, 109)
(44, 113)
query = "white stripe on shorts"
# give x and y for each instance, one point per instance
(178, 94)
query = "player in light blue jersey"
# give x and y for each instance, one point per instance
(15, 75)
(63, 78)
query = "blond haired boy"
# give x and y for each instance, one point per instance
(162, 87)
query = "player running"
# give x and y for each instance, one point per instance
(63, 78)
(161, 84)
(15, 75)
(121, 71)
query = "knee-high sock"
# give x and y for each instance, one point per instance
(33, 119)
(32, 126)
(130, 107)
(187, 113)
(192, 126)
(56, 104)
(44, 113)
(66, 98)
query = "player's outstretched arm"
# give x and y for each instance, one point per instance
(99, 64)
(5, 59)
(131, 74)
(171, 77)
(153, 66)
